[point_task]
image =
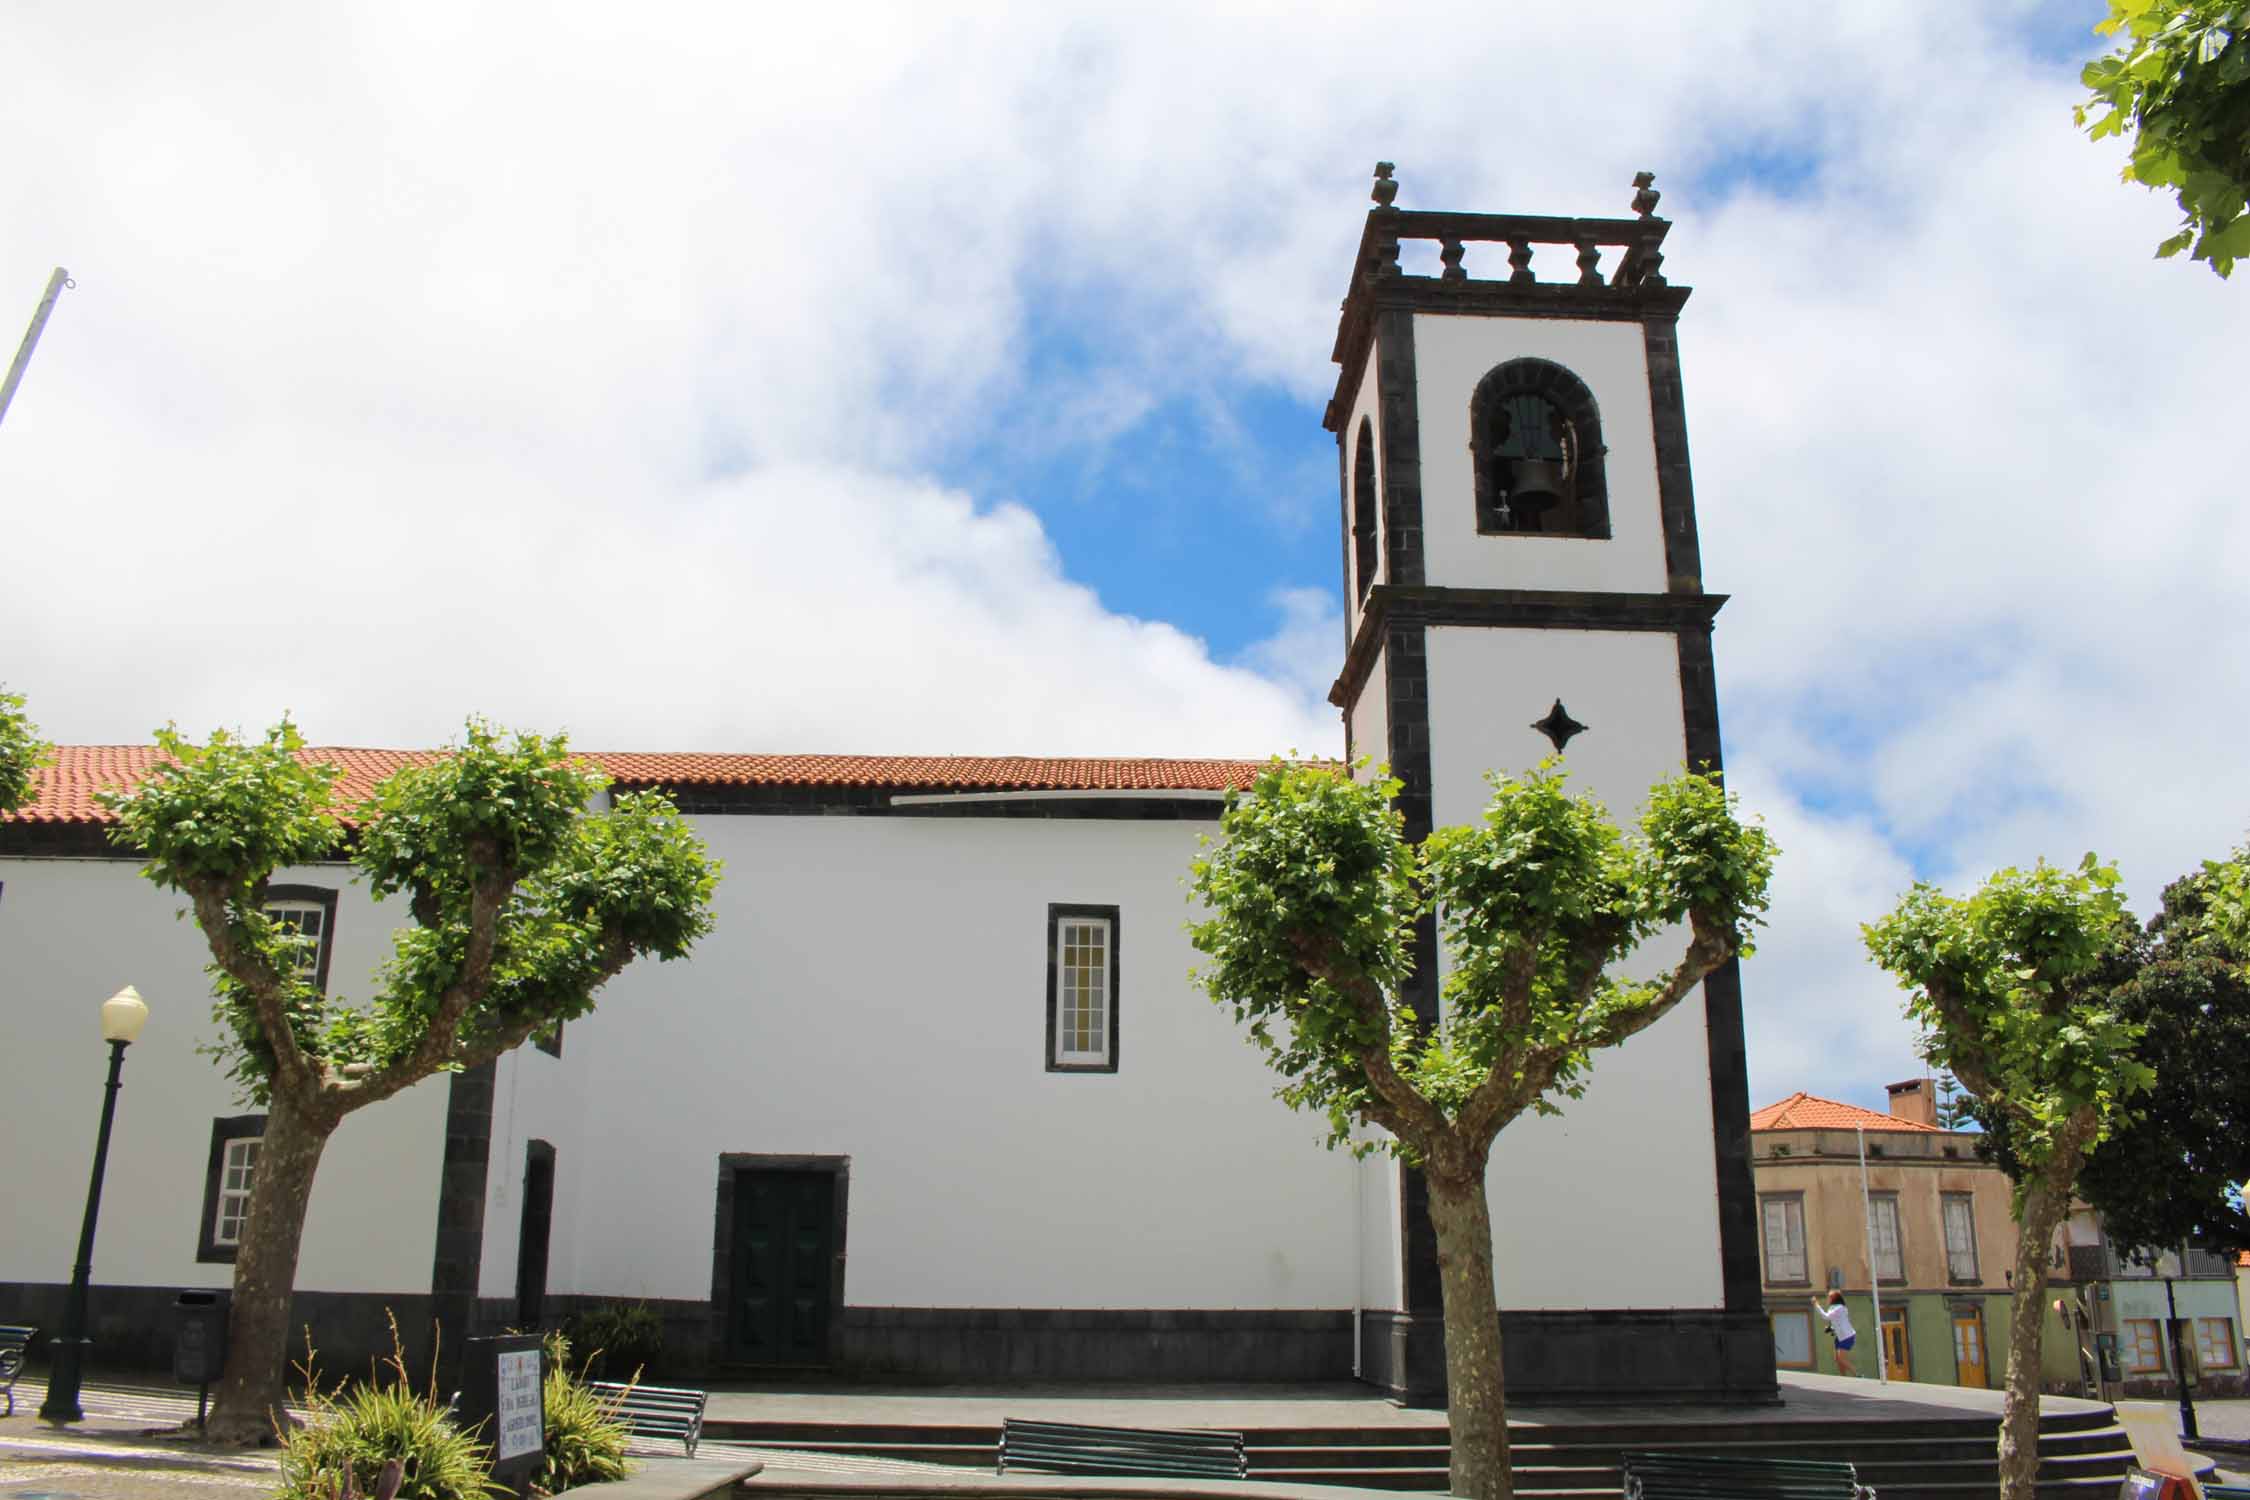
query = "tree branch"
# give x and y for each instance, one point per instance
(294, 1070)
(1419, 1122)
(1966, 1054)
(488, 897)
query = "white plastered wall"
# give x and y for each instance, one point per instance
(876, 988)
(1613, 1203)
(72, 931)
(1452, 353)
(1371, 722)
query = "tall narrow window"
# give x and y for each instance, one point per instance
(306, 914)
(1364, 523)
(1882, 1223)
(1960, 1238)
(1785, 1239)
(228, 1178)
(1082, 989)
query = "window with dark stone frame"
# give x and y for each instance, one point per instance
(1535, 438)
(223, 1188)
(1080, 974)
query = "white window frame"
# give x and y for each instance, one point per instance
(1963, 1245)
(1792, 1206)
(2135, 1347)
(1799, 1320)
(2214, 1343)
(281, 913)
(1068, 1001)
(238, 1171)
(1883, 1222)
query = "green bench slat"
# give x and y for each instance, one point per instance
(13, 1338)
(1689, 1476)
(658, 1411)
(1071, 1448)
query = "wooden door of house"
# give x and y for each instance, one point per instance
(1896, 1364)
(783, 1266)
(1968, 1350)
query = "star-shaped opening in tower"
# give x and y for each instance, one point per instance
(1558, 726)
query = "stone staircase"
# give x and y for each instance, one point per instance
(2082, 1454)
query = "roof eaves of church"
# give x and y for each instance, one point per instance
(65, 789)
(1803, 1111)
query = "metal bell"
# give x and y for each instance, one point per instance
(1538, 485)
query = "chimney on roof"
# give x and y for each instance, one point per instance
(1915, 1099)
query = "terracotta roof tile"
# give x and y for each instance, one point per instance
(1803, 1111)
(65, 789)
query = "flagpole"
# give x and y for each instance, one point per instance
(1874, 1276)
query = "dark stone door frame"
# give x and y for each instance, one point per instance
(534, 1231)
(732, 1163)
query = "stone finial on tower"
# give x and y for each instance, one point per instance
(1645, 194)
(1386, 190)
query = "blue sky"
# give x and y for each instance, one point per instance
(949, 379)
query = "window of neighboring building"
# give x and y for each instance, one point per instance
(1785, 1239)
(308, 914)
(1792, 1340)
(2143, 1345)
(1882, 1223)
(2214, 1343)
(550, 1040)
(1082, 989)
(232, 1168)
(1960, 1237)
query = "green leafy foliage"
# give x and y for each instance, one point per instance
(22, 752)
(352, 1433)
(585, 1442)
(620, 1339)
(2015, 984)
(2171, 1172)
(524, 901)
(1313, 892)
(2180, 80)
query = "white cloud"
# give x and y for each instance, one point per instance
(584, 365)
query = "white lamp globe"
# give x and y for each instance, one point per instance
(123, 1015)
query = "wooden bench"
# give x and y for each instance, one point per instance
(1695, 1476)
(656, 1411)
(1067, 1448)
(14, 1337)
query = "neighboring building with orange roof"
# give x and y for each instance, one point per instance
(1943, 1239)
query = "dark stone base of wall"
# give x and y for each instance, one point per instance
(1587, 1357)
(1581, 1357)
(132, 1326)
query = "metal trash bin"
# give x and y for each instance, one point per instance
(199, 1336)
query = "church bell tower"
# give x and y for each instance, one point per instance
(1522, 579)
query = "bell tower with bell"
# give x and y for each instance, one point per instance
(1522, 579)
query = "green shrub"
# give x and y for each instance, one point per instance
(621, 1339)
(585, 1441)
(351, 1435)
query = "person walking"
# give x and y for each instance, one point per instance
(1840, 1329)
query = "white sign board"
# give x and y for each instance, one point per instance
(520, 1422)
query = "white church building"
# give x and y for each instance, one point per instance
(936, 1100)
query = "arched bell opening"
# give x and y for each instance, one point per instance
(1535, 437)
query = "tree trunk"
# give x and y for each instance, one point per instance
(1476, 1397)
(253, 1391)
(2043, 1205)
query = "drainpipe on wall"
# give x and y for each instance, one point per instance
(1874, 1277)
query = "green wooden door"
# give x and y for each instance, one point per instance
(783, 1267)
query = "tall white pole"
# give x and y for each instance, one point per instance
(1874, 1274)
(55, 285)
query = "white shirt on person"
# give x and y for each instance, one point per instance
(1839, 1321)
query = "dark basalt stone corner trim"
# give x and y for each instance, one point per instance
(1722, 1015)
(732, 1163)
(1036, 1343)
(1390, 606)
(1675, 485)
(457, 1264)
(1399, 448)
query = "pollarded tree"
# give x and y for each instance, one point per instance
(2017, 987)
(523, 903)
(1313, 894)
(22, 752)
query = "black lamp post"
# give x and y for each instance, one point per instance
(122, 1015)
